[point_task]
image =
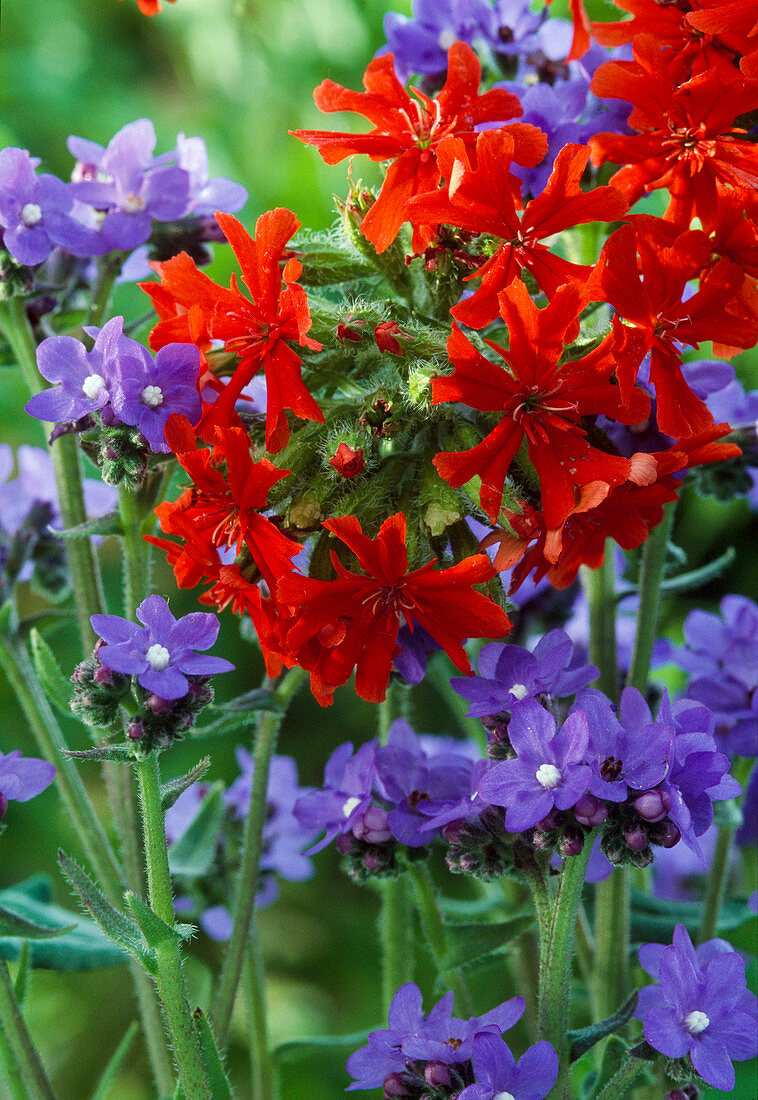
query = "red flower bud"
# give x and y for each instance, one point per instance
(385, 335)
(347, 461)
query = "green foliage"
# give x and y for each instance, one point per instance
(585, 1038)
(108, 1076)
(170, 791)
(56, 686)
(193, 853)
(219, 1082)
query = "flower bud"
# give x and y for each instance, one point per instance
(135, 731)
(653, 805)
(394, 1085)
(372, 826)
(158, 705)
(590, 811)
(571, 843)
(669, 836)
(385, 335)
(636, 839)
(348, 462)
(437, 1075)
(3, 805)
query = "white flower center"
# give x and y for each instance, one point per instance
(152, 396)
(30, 214)
(92, 385)
(503, 1096)
(446, 40)
(548, 776)
(134, 204)
(350, 805)
(519, 691)
(696, 1022)
(158, 657)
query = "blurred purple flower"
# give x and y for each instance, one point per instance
(22, 778)
(420, 44)
(206, 195)
(161, 653)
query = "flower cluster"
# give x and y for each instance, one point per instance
(22, 778)
(441, 1056)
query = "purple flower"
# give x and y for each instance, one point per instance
(701, 1006)
(509, 675)
(84, 378)
(147, 391)
(126, 182)
(415, 647)
(161, 653)
(36, 212)
(516, 27)
(420, 44)
(346, 795)
(419, 779)
(451, 1040)
(549, 770)
(22, 778)
(206, 196)
(498, 1075)
(633, 752)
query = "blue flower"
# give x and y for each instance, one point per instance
(498, 1075)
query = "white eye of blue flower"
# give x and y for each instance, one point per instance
(30, 214)
(158, 657)
(519, 691)
(92, 385)
(503, 1096)
(134, 204)
(446, 40)
(548, 776)
(350, 805)
(696, 1022)
(152, 396)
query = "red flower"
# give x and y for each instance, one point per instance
(353, 621)
(229, 489)
(649, 295)
(150, 7)
(541, 401)
(348, 462)
(258, 331)
(408, 129)
(386, 337)
(688, 142)
(485, 197)
(582, 38)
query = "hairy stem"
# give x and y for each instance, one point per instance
(612, 916)
(716, 888)
(252, 847)
(622, 1080)
(20, 1042)
(261, 1063)
(653, 561)
(599, 586)
(436, 935)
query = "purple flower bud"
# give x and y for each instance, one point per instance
(157, 704)
(346, 844)
(670, 836)
(135, 731)
(437, 1075)
(372, 862)
(550, 821)
(571, 844)
(590, 811)
(372, 827)
(394, 1085)
(104, 677)
(454, 832)
(653, 805)
(636, 839)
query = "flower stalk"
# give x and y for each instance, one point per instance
(20, 1043)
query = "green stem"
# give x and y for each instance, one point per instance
(622, 1080)
(108, 268)
(252, 847)
(395, 938)
(653, 561)
(536, 874)
(23, 680)
(555, 973)
(599, 586)
(716, 888)
(436, 935)
(169, 976)
(262, 1064)
(20, 1041)
(135, 558)
(612, 916)
(12, 1070)
(82, 563)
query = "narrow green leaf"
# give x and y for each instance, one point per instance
(23, 973)
(116, 926)
(296, 1049)
(230, 723)
(109, 524)
(257, 699)
(614, 1054)
(155, 931)
(6, 617)
(76, 944)
(170, 791)
(193, 853)
(583, 1039)
(472, 942)
(217, 1079)
(50, 619)
(56, 686)
(114, 1065)
(103, 752)
(653, 920)
(11, 924)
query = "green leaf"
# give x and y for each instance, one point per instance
(23, 973)
(76, 943)
(11, 924)
(583, 1039)
(103, 752)
(695, 578)
(471, 942)
(614, 1055)
(116, 925)
(170, 791)
(296, 1049)
(653, 920)
(6, 617)
(217, 1079)
(257, 699)
(50, 619)
(155, 930)
(56, 686)
(193, 853)
(109, 524)
(114, 1065)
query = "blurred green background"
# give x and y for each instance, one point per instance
(241, 81)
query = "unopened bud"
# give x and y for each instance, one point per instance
(158, 705)
(348, 461)
(636, 839)
(653, 805)
(437, 1075)
(394, 1086)
(571, 844)
(669, 836)
(590, 811)
(135, 731)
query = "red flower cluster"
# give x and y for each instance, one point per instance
(150, 7)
